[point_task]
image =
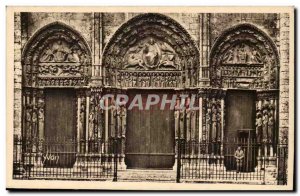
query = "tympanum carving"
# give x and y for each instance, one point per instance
(244, 57)
(56, 56)
(151, 54)
(151, 43)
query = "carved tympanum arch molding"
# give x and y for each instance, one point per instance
(244, 57)
(151, 50)
(56, 55)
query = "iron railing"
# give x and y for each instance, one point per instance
(93, 159)
(216, 161)
(65, 158)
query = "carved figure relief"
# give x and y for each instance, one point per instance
(34, 122)
(113, 119)
(61, 59)
(151, 54)
(182, 117)
(56, 56)
(28, 115)
(151, 43)
(266, 112)
(259, 131)
(96, 121)
(242, 54)
(244, 57)
(81, 123)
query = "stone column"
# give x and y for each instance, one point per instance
(177, 130)
(79, 125)
(200, 118)
(106, 126)
(122, 132)
(204, 47)
(81, 147)
(222, 124)
(222, 128)
(97, 45)
(40, 125)
(87, 111)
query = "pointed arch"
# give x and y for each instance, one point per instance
(170, 45)
(246, 53)
(56, 55)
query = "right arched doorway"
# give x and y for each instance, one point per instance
(244, 62)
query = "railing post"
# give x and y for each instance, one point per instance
(115, 149)
(178, 160)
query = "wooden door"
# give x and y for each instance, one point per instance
(240, 111)
(240, 115)
(150, 137)
(60, 129)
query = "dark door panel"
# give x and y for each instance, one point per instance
(60, 129)
(150, 136)
(240, 115)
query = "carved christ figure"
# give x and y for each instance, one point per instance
(150, 54)
(242, 55)
(60, 51)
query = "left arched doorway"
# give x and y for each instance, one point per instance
(56, 67)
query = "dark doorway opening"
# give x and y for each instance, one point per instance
(240, 128)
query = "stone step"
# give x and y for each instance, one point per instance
(147, 175)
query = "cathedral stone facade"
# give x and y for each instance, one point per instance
(236, 64)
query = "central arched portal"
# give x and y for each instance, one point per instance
(150, 54)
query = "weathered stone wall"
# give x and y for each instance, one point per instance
(17, 75)
(284, 77)
(266, 22)
(112, 21)
(81, 22)
(98, 28)
(84, 23)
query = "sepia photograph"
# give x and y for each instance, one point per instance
(150, 98)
